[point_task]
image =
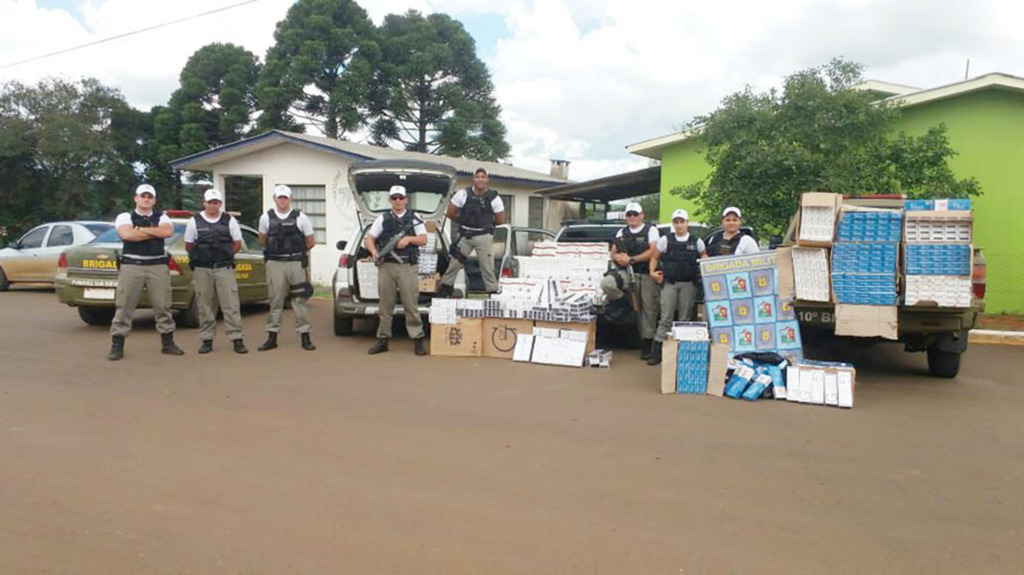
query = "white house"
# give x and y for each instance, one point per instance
(316, 168)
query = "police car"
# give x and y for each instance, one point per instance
(87, 275)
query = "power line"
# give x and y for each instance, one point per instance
(126, 34)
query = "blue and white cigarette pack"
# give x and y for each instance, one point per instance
(739, 381)
(692, 367)
(821, 383)
(865, 257)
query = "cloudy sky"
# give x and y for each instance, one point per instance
(577, 79)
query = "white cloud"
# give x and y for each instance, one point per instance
(577, 79)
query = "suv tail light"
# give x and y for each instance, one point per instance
(62, 264)
(978, 275)
(506, 273)
(172, 265)
(343, 261)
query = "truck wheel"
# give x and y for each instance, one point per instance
(96, 315)
(189, 317)
(943, 363)
(343, 324)
(4, 284)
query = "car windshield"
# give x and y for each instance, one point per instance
(588, 234)
(110, 236)
(99, 229)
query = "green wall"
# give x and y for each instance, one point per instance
(987, 129)
(681, 165)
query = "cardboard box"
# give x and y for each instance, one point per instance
(430, 284)
(669, 358)
(464, 338)
(867, 321)
(786, 287)
(590, 328)
(816, 225)
(558, 351)
(500, 335)
(718, 365)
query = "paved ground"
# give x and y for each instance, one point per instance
(336, 462)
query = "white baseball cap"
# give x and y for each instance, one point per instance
(634, 207)
(680, 213)
(397, 191)
(282, 191)
(732, 210)
(145, 189)
(213, 195)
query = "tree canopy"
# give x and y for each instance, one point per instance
(434, 94)
(817, 134)
(320, 68)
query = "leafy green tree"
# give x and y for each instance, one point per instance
(320, 69)
(67, 150)
(816, 134)
(434, 94)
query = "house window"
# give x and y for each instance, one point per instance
(536, 212)
(509, 202)
(312, 201)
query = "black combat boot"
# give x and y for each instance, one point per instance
(645, 348)
(419, 347)
(207, 346)
(167, 345)
(655, 357)
(307, 344)
(445, 291)
(240, 346)
(116, 348)
(380, 347)
(271, 342)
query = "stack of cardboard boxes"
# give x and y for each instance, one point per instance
(939, 253)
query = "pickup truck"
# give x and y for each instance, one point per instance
(940, 332)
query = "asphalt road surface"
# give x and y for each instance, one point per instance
(338, 462)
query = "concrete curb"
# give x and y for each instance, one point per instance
(993, 337)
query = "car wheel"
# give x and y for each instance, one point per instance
(189, 317)
(4, 284)
(943, 363)
(96, 315)
(343, 324)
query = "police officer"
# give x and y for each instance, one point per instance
(398, 275)
(678, 253)
(633, 248)
(731, 241)
(286, 235)
(212, 238)
(143, 267)
(477, 209)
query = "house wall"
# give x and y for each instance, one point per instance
(298, 165)
(682, 165)
(986, 129)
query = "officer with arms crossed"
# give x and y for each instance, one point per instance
(678, 253)
(212, 238)
(143, 266)
(633, 248)
(477, 209)
(398, 275)
(731, 241)
(286, 235)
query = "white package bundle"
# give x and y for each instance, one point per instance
(810, 272)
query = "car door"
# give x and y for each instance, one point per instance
(60, 238)
(22, 262)
(250, 268)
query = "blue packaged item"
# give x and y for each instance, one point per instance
(739, 381)
(757, 387)
(953, 204)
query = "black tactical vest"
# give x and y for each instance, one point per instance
(478, 212)
(680, 260)
(637, 244)
(285, 241)
(719, 246)
(147, 250)
(392, 226)
(213, 242)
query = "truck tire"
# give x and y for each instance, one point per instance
(101, 316)
(943, 363)
(343, 324)
(189, 317)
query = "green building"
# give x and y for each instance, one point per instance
(985, 121)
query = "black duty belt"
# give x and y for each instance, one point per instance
(215, 266)
(285, 257)
(468, 233)
(128, 260)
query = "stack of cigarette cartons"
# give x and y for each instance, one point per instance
(821, 383)
(810, 274)
(815, 235)
(939, 253)
(552, 346)
(684, 359)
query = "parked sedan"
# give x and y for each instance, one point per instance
(87, 275)
(33, 258)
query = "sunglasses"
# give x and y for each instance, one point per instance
(396, 198)
(631, 214)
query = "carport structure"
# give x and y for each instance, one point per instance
(593, 196)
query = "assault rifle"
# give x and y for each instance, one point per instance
(389, 248)
(632, 288)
